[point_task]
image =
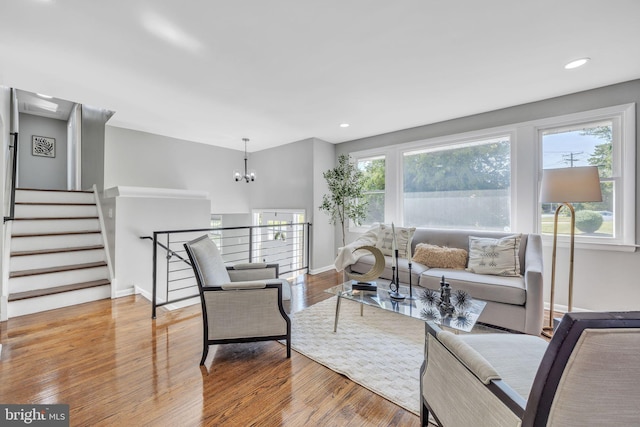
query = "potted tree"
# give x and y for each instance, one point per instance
(345, 200)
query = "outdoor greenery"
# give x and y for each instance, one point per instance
(373, 172)
(588, 221)
(475, 167)
(345, 200)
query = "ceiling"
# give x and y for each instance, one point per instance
(280, 71)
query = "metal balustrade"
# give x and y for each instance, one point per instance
(173, 280)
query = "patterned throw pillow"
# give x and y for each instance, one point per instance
(403, 238)
(440, 256)
(495, 256)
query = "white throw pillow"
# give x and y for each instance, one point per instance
(495, 256)
(403, 239)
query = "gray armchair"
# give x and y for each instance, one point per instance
(588, 375)
(239, 304)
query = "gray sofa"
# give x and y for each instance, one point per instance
(515, 303)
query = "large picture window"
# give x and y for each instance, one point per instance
(465, 185)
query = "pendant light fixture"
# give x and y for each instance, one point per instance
(248, 176)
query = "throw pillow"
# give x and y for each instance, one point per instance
(495, 256)
(403, 239)
(440, 256)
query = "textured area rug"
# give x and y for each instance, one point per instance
(381, 351)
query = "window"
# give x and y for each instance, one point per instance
(373, 170)
(603, 138)
(459, 185)
(590, 144)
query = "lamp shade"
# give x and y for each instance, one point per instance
(570, 185)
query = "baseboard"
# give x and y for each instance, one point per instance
(125, 292)
(563, 308)
(321, 270)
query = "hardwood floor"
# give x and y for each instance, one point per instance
(114, 365)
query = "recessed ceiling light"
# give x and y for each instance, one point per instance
(577, 63)
(344, 125)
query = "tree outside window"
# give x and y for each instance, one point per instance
(373, 179)
(465, 185)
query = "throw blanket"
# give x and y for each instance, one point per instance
(348, 254)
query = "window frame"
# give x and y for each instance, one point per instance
(622, 173)
(526, 172)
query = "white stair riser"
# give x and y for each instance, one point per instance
(42, 281)
(50, 302)
(55, 211)
(19, 244)
(55, 226)
(30, 262)
(53, 196)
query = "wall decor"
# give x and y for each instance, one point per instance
(43, 146)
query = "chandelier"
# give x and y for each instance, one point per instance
(248, 176)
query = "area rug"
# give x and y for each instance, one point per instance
(381, 351)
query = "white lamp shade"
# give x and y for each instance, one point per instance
(570, 185)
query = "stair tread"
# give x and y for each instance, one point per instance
(57, 250)
(56, 203)
(53, 218)
(60, 233)
(57, 290)
(72, 267)
(53, 190)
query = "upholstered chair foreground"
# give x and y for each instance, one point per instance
(587, 375)
(242, 303)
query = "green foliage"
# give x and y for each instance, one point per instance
(602, 157)
(373, 177)
(588, 221)
(345, 200)
(476, 167)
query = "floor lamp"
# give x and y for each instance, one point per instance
(566, 186)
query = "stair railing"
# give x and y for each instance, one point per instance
(287, 245)
(14, 168)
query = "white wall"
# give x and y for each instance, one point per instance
(42, 172)
(603, 279)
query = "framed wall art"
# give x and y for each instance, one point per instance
(43, 146)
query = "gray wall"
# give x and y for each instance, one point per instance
(141, 159)
(42, 172)
(92, 152)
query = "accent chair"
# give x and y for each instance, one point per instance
(242, 303)
(587, 375)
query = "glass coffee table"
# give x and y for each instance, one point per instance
(462, 320)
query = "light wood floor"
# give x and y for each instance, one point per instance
(115, 366)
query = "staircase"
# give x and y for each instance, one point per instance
(57, 255)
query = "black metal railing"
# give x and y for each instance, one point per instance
(14, 168)
(173, 280)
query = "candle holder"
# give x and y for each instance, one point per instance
(394, 285)
(410, 297)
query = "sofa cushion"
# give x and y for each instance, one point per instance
(494, 256)
(440, 257)
(507, 290)
(460, 239)
(403, 239)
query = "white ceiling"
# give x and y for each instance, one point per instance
(279, 71)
